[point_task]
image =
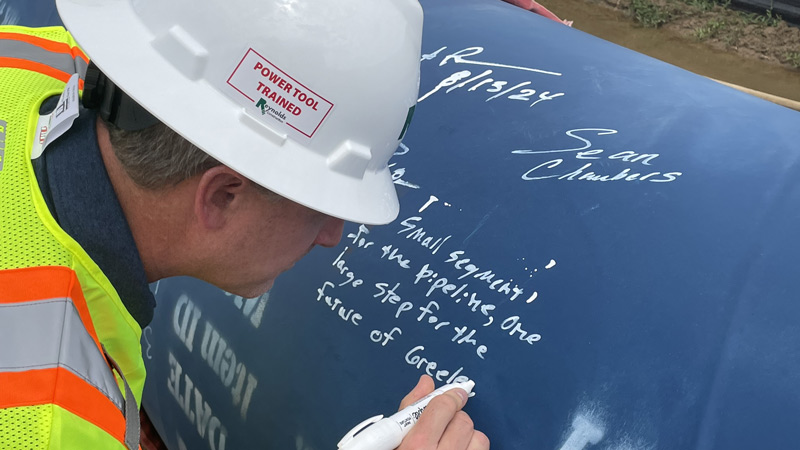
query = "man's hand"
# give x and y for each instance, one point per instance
(443, 425)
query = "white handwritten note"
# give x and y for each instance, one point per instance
(640, 169)
(496, 82)
(477, 72)
(442, 288)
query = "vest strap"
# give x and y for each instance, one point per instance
(132, 425)
(54, 59)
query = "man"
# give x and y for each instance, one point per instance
(221, 141)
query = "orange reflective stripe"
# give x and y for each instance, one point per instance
(32, 283)
(16, 63)
(43, 283)
(61, 387)
(52, 46)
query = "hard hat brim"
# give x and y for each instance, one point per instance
(151, 80)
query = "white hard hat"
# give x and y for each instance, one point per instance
(308, 98)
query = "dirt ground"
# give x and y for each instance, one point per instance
(763, 37)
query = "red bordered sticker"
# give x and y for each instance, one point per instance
(277, 96)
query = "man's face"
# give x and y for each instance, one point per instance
(269, 237)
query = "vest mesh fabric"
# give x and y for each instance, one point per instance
(25, 428)
(19, 222)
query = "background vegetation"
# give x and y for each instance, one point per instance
(765, 36)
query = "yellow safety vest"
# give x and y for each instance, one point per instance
(71, 368)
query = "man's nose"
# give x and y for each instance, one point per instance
(331, 232)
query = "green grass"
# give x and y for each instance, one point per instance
(710, 29)
(649, 14)
(768, 19)
(792, 58)
(702, 5)
(731, 38)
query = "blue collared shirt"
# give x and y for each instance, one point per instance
(76, 188)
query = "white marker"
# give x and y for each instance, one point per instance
(379, 433)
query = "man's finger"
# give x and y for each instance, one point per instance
(424, 387)
(458, 433)
(479, 441)
(434, 420)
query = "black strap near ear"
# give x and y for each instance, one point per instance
(113, 105)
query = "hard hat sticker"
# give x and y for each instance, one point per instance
(276, 96)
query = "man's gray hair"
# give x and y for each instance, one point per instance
(157, 157)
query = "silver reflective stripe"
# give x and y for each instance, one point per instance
(49, 333)
(132, 425)
(80, 67)
(62, 61)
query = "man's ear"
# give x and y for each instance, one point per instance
(218, 193)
